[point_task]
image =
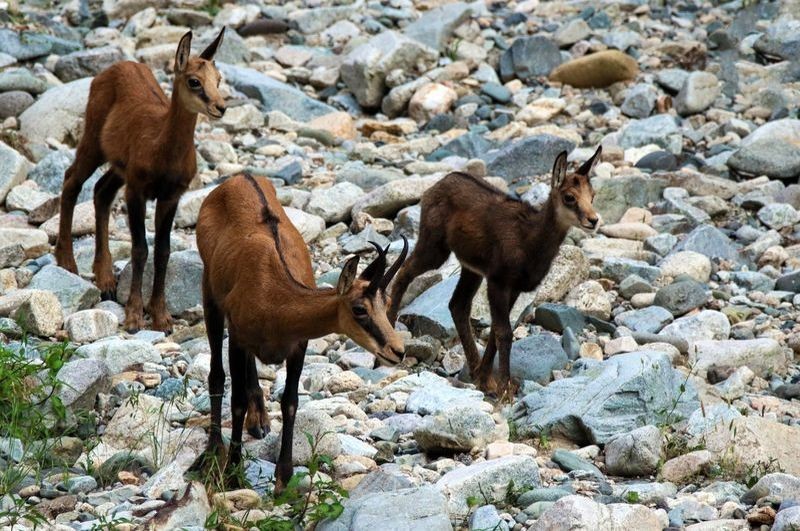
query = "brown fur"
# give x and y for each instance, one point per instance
(257, 275)
(149, 141)
(498, 238)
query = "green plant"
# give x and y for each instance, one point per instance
(212, 7)
(632, 496)
(452, 50)
(32, 412)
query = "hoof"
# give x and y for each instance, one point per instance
(108, 295)
(258, 432)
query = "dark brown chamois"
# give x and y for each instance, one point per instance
(499, 238)
(149, 141)
(257, 275)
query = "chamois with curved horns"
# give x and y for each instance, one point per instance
(257, 274)
(148, 140)
(499, 238)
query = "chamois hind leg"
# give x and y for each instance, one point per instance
(460, 308)
(237, 359)
(104, 193)
(500, 301)
(430, 252)
(294, 366)
(257, 420)
(134, 311)
(165, 213)
(87, 159)
(211, 460)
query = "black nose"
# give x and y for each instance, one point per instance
(593, 221)
(220, 108)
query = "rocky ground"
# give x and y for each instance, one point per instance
(657, 360)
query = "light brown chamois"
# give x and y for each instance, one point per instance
(148, 140)
(499, 238)
(257, 274)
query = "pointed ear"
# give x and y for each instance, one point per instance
(347, 276)
(209, 53)
(587, 167)
(559, 171)
(182, 55)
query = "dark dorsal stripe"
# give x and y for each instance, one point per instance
(272, 222)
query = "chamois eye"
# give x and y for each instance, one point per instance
(194, 83)
(569, 199)
(360, 311)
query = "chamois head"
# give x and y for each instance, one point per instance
(363, 304)
(197, 78)
(572, 194)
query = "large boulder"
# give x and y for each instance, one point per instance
(456, 429)
(365, 68)
(57, 114)
(526, 157)
(274, 95)
(764, 356)
(603, 399)
(182, 288)
(578, 513)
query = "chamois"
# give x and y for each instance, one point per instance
(257, 274)
(149, 141)
(500, 238)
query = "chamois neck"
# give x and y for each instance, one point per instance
(550, 234)
(178, 132)
(315, 313)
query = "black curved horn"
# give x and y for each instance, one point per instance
(387, 278)
(374, 271)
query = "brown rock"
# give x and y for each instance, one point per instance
(339, 124)
(684, 467)
(598, 70)
(52, 508)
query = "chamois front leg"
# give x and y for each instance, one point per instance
(294, 366)
(165, 213)
(461, 308)
(257, 419)
(237, 359)
(211, 460)
(486, 381)
(500, 298)
(134, 311)
(104, 193)
(86, 161)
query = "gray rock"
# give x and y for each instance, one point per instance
(778, 160)
(579, 513)
(434, 27)
(73, 292)
(764, 356)
(697, 94)
(367, 177)
(681, 297)
(82, 380)
(274, 95)
(529, 58)
(526, 157)
(780, 39)
(636, 453)
(787, 519)
(13, 169)
(487, 481)
(21, 79)
(603, 399)
(571, 32)
(784, 486)
(672, 79)
(388, 199)
(536, 357)
(335, 203)
(753, 280)
(570, 461)
(87, 63)
(456, 429)
(647, 493)
(651, 319)
(119, 354)
(487, 517)
(559, 317)
(183, 281)
(778, 215)
(58, 113)
(429, 313)
(622, 39)
(408, 508)
(13, 103)
(707, 324)
(189, 206)
(789, 282)
(317, 18)
(24, 45)
(619, 269)
(469, 145)
(658, 161)
(90, 325)
(364, 69)
(633, 285)
(640, 101)
(654, 130)
(39, 312)
(710, 241)
(614, 196)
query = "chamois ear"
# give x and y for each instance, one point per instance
(587, 167)
(559, 171)
(182, 55)
(347, 276)
(209, 53)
